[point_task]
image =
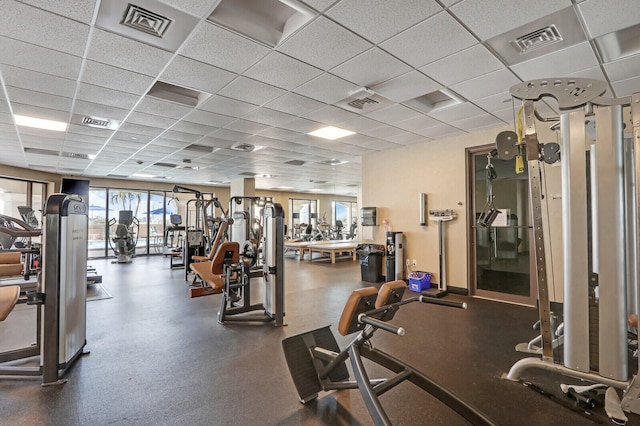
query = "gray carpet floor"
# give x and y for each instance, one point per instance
(160, 358)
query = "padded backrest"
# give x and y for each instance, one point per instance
(217, 239)
(8, 299)
(10, 257)
(390, 292)
(227, 250)
(360, 301)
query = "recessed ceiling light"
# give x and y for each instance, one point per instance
(40, 123)
(92, 156)
(284, 187)
(331, 133)
(142, 175)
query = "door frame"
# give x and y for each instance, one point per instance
(470, 155)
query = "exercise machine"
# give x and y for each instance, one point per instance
(60, 298)
(236, 302)
(600, 223)
(316, 362)
(125, 236)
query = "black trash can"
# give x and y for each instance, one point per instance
(371, 262)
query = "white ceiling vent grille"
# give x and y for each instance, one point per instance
(95, 122)
(144, 20)
(75, 155)
(149, 21)
(434, 101)
(537, 39)
(364, 100)
(550, 33)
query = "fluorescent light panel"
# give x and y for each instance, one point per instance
(40, 123)
(142, 175)
(331, 133)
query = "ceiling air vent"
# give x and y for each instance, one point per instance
(167, 165)
(321, 182)
(40, 151)
(118, 176)
(537, 39)
(363, 101)
(295, 162)
(247, 174)
(434, 101)
(75, 155)
(244, 147)
(144, 20)
(181, 95)
(199, 148)
(95, 122)
(267, 21)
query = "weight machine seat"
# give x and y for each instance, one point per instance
(211, 273)
(10, 264)
(216, 242)
(8, 299)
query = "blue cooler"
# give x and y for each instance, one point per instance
(419, 281)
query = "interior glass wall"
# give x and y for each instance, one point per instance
(98, 244)
(345, 218)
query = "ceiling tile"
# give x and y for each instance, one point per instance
(196, 75)
(99, 110)
(208, 118)
(115, 78)
(150, 120)
(393, 114)
(195, 7)
(488, 19)
(370, 68)
(430, 40)
(193, 128)
(440, 131)
(32, 80)
(405, 138)
(45, 29)
(324, 44)
(377, 20)
(302, 125)
(251, 91)
(407, 86)
(40, 99)
(383, 132)
(360, 124)
(327, 88)
(417, 123)
(223, 52)
(456, 112)
(245, 126)
(139, 129)
(180, 136)
(557, 64)
(97, 94)
(36, 58)
(495, 102)
(623, 69)
(486, 85)
(282, 71)
(230, 135)
(268, 116)
(455, 68)
(626, 87)
(151, 105)
(121, 52)
(80, 10)
(330, 115)
(227, 106)
(605, 16)
(320, 5)
(292, 103)
(478, 122)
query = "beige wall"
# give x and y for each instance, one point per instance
(392, 181)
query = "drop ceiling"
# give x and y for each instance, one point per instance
(213, 103)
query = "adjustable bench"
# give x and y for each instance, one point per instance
(316, 362)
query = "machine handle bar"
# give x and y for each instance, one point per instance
(436, 301)
(364, 319)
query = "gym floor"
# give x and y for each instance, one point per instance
(158, 357)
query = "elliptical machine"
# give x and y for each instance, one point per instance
(125, 238)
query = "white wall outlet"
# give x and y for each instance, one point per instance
(414, 263)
